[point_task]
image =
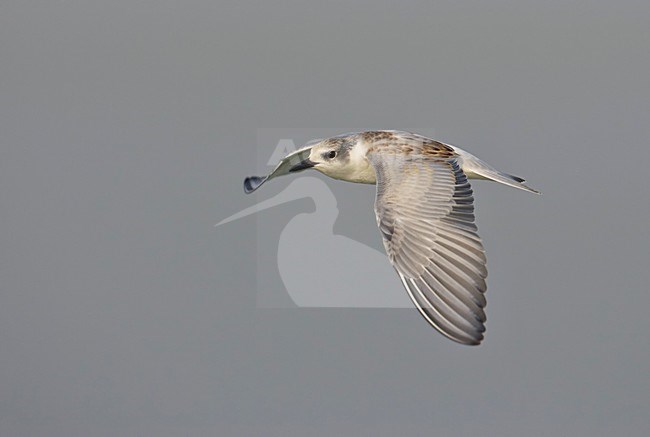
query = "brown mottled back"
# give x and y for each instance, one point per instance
(405, 143)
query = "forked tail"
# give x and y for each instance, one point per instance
(474, 168)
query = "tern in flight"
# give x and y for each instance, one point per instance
(425, 213)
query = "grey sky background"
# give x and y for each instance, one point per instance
(126, 129)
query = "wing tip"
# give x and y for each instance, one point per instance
(252, 183)
(466, 337)
(476, 342)
(531, 190)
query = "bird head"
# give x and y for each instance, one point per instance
(338, 158)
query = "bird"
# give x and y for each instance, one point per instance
(424, 206)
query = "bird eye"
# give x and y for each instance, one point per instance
(331, 155)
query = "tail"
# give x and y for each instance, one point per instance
(474, 168)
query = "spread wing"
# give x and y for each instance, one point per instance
(252, 183)
(425, 213)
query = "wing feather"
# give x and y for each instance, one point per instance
(425, 212)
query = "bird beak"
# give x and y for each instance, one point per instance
(303, 165)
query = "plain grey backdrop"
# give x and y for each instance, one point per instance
(126, 128)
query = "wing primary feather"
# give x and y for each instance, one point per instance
(461, 319)
(460, 301)
(427, 317)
